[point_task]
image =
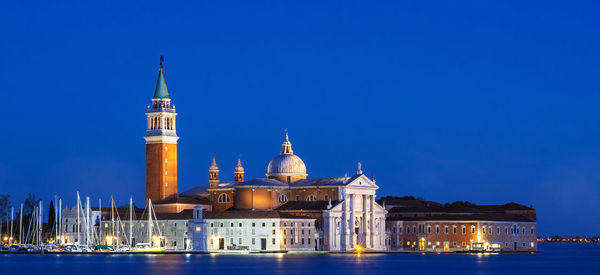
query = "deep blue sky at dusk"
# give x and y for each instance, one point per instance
(485, 101)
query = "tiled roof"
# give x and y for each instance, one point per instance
(306, 205)
(466, 217)
(262, 182)
(248, 214)
(406, 202)
(455, 209)
(185, 200)
(196, 191)
(321, 182)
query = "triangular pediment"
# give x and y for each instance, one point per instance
(361, 181)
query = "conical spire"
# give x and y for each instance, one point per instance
(161, 92)
(213, 165)
(239, 167)
(286, 147)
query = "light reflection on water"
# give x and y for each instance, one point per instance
(566, 258)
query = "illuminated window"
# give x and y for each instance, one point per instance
(198, 228)
(283, 198)
(532, 245)
(223, 198)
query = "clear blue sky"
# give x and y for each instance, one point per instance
(485, 101)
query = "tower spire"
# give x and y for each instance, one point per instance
(161, 91)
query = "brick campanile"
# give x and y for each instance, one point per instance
(161, 143)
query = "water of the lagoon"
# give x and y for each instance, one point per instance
(552, 258)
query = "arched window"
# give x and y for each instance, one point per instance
(223, 198)
(283, 198)
(311, 198)
(326, 197)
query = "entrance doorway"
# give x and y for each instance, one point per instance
(221, 244)
(446, 246)
(422, 244)
(263, 244)
(515, 246)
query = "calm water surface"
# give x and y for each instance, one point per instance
(552, 258)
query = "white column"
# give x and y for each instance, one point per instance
(351, 223)
(372, 217)
(344, 224)
(365, 230)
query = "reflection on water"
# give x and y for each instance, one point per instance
(566, 258)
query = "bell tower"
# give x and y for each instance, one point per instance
(238, 172)
(213, 172)
(161, 143)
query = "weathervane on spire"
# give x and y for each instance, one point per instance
(162, 59)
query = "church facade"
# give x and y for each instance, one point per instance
(342, 210)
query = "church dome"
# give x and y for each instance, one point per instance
(286, 163)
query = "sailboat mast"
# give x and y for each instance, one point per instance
(40, 225)
(112, 218)
(56, 221)
(150, 221)
(130, 220)
(87, 221)
(100, 225)
(12, 217)
(21, 226)
(78, 219)
(60, 217)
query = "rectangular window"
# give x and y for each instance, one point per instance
(464, 230)
(273, 231)
(240, 224)
(532, 231)
(302, 240)
(400, 229)
(308, 240)
(446, 229)
(263, 224)
(437, 229)
(253, 224)
(273, 240)
(454, 229)
(408, 229)
(253, 241)
(273, 224)
(428, 229)
(231, 241)
(284, 241)
(240, 241)
(483, 230)
(253, 232)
